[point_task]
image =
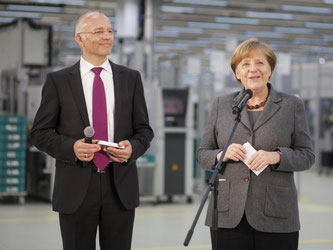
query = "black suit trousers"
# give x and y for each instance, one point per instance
(245, 237)
(100, 209)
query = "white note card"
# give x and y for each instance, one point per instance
(249, 152)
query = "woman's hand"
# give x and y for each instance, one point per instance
(235, 152)
(262, 158)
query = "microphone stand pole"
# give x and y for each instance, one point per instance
(212, 184)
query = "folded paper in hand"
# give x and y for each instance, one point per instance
(249, 152)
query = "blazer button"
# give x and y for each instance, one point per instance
(246, 179)
(250, 133)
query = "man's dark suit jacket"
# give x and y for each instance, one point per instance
(61, 119)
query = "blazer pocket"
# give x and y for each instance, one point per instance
(277, 203)
(223, 195)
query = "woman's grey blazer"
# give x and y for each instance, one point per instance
(270, 199)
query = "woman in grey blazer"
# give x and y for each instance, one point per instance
(257, 212)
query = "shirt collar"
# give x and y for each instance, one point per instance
(85, 66)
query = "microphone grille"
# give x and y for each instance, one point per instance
(89, 132)
(249, 92)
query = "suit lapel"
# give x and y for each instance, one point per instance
(75, 83)
(118, 94)
(270, 109)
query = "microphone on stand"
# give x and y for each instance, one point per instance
(88, 136)
(239, 107)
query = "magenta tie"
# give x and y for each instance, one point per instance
(99, 118)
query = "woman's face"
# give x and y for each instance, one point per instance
(254, 71)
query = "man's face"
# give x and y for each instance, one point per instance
(96, 36)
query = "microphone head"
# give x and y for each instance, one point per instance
(89, 132)
(248, 92)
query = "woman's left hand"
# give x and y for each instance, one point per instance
(262, 158)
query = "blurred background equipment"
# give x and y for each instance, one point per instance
(177, 45)
(13, 137)
(182, 49)
(26, 47)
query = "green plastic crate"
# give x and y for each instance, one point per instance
(13, 163)
(13, 146)
(17, 180)
(8, 137)
(12, 189)
(13, 119)
(13, 128)
(8, 172)
(12, 154)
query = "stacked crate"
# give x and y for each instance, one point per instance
(13, 135)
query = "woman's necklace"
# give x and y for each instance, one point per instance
(262, 104)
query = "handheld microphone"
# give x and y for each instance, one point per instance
(88, 135)
(239, 107)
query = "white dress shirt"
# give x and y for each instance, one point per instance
(87, 77)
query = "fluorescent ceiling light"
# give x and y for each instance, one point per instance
(33, 8)
(183, 29)
(293, 30)
(203, 2)
(328, 1)
(204, 25)
(194, 43)
(322, 49)
(301, 41)
(20, 14)
(265, 34)
(244, 37)
(269, 15)
(176, 9)
(237, 20)
(218, 40)
(66, 2)
(306, 9)
(165, 33)
(280, 44)
(319, 25)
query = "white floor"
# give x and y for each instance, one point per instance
(34, 226)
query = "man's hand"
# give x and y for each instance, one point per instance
(85, 151)
(120, 155)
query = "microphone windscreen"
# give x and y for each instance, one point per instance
(89, 132)
(249, 92)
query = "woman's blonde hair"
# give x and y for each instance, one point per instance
(246, 47)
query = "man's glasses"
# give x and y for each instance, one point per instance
(110, 32)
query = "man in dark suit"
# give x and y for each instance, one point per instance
(95, 186)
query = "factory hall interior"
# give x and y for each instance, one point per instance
(202, 124)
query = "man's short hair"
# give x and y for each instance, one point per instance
(78, 23)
